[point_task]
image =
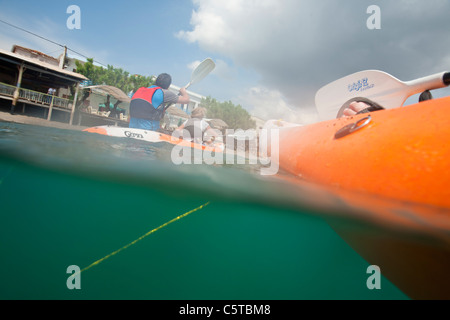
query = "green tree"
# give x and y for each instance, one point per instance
(90, 71)
(235, 116)
(111, 76)
(137, 81)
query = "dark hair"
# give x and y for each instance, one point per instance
(426, 95)
(164, 81)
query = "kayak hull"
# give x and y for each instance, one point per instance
(149, 136)
(392, 176)
(402, 153)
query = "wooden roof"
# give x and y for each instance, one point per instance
(38, 65)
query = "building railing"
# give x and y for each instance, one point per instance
(6, 89)
(34, 96)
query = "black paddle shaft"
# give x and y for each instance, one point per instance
(446, 78)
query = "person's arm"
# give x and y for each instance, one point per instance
(357, 107)
(179, 131)
(212, 135)
(172, 98)
(354, 108)
(183, 98)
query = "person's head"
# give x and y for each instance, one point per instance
(164, 81)
(198, 113)
(426, 95)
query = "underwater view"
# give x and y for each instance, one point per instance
(139, 227)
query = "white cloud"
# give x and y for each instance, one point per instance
(233, 27)
(224, 71)
(269, 104)
(194, 64)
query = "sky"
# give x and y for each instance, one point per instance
(272, 56)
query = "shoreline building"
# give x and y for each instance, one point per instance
(35, 82)
(43, 86)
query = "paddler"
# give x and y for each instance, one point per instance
(196, 128)
(148, 105)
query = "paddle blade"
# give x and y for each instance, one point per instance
(202, 70)
(375, 85)
(372, 84)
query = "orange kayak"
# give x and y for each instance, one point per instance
(150, 136)
(390, 170)
(402, 153)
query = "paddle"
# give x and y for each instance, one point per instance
(375, 85)
(201, 71)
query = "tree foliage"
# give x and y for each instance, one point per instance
(111, 76)
(235, 116)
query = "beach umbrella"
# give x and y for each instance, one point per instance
(217, 124)
(110, 90)
(177, 112)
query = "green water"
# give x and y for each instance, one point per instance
(71, 198)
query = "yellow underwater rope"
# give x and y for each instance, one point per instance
(142, 237)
